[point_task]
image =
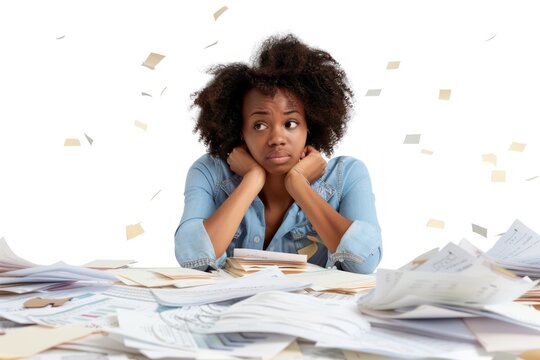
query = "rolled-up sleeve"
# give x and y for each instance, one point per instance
(193, 247)
(360, 248)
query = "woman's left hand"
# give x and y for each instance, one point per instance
(312, 165)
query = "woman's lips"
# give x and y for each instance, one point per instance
(278, 158)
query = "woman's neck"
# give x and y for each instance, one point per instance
(274, 192)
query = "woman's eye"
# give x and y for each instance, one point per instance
(259, 126)
(291, 124)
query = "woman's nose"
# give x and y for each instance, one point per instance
(277, 136)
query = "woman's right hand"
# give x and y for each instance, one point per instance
(241, 162)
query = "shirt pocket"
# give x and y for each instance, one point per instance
(305, 239)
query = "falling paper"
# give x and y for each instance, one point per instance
(206, 47)
(444, 94)
(479, 230)
(72, 142)
(532, 178)
(491, 37)
(412, 139)
(60, 37)
(140, 125)
(392, 65)
(373, 92)
(155, 194)
(492, 158)
(162, 91)
(218, 13)
(133, 230)
(498, 176)
(435, 224)
(90, 140)
(145, 94)
(152, 60)
(517, 147)
(426, 151)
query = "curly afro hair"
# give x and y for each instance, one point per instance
(281, 62)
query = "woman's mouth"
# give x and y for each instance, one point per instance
(278, 158)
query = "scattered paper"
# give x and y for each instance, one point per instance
(435, 223)
(108, 264)
(14, 343)
(496, 335)
(491, 37)
(72, 142)
(412, 139)
(517, 147)
(479, 230)
(133, 230)
(373, 92)
(140, 125)
(152, 60)
(218, 13)
(145, 94)
(444, 94)
(492, 158)
(155, 195)
(498, 176)
(532, 178)
(162, 91)
(212, 44)
(392, 65)
(90, 140)
(60, 37)
(426, 152)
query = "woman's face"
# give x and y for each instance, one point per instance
(274, 129)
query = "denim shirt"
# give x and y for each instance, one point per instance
(345, 185)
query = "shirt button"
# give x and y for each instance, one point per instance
(257, 238)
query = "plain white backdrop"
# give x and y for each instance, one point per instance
(70, 68)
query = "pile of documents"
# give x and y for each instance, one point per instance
(248, 261)
(335, 281)
(9, 261)
(518, 250)
(163, 277)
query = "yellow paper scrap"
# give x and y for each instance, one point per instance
(426, 151)
(290, 352)
(72, 142)
(218, 13)
(152, 60)
(15, 342)
(517, 147)
(373, 92)
(530, 354)
(492, 158)
(498, 176)
(479, 230)
(134, 230)
(435, 223)
(444, 94)
(140, 125)
(412, 139)
(392, 65)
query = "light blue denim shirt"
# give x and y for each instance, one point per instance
(345, 185)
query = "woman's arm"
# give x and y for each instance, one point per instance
(224, 222)
(329, 224)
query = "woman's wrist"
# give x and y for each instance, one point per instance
(294, 179)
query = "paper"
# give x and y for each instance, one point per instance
(531, 178)
(498, 176)
(517, 147)
(108, 264)
(392, 65)
(15, 342)
(451, 258)
(264, 280)
(412, 139)
(133, 231)
(72, 142)
(491, 158)
(212, 44)
(152, 60)
(336, 280)
(496, 335)
(426, 152)
(433, 223)
(218, 13)
(248, 261)
(9, 260)
(140, 125)
(155, 195)
(444, 94)
(293, 314)
(479, 230)
(90, 140)
(373, 92)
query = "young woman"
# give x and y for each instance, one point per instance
(263, 183)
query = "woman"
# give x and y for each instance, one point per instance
(263, 183)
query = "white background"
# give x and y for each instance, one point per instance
(69, 68)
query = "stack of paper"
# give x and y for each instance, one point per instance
(336, 281)
(162, 277)
(9, 261)
(248, 261)
(293, 314)
(518, 250)
(467, 282)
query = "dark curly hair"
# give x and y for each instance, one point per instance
(281, 62)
